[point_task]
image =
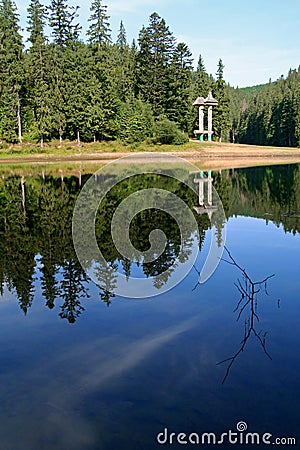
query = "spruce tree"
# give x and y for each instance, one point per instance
(121, 38)
(122, 65)
(61, 20)
(39, 82)
(65, 33)
(99, 31)
(180, 76)
(156, 49)
(12, 77)
(203, 81)
(221, 121)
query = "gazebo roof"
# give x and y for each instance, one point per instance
(200, 101)
(210, 101)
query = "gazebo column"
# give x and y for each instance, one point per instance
(201, 122)
(210, 128)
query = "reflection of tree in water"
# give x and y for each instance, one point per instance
(17, 248)
(72, 289)
(248, 304)
(177, 246)
(41, 232)
(107, 280)
(45, 227)
(271, 193)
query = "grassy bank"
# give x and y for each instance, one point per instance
(68, 148)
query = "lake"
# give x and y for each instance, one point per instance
(83, 367)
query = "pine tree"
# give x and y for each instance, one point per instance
(180, 75)
(99, 31)
(12, 77)
(203, 82)
(36, 23)
(155, 55)
(39, 83)
(65, 33)
(77, 85)
(121, 38)
(61, 20)
(122, 66)
(221, 122)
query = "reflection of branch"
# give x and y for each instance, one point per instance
(248, 290)
(197, 284)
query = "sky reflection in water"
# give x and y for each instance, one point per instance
(122, 373)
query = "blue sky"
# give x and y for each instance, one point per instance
(257, 39)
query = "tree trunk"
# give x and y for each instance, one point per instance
(42, 141)
(19, 121)
(78, 138)
(60, 137)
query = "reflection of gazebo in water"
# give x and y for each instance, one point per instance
(208, 207)
(201, 102)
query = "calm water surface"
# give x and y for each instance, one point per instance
(82, 369)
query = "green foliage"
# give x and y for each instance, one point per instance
(221, 112)
(153, 60)
(61, 20)
(62, 87)
(167, 132)
(268, 114)
(99, 31)
(180, 75)
(134, 121)
(12, 77)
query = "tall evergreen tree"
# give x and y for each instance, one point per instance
(121, 38)
(36, 23)
(12, 76)
(65, 33)
(180, 75)
(122, 60)
(61, 20)
(156, 49)
(39, 82)
(203, 81)
(221, 112)
(99, 31)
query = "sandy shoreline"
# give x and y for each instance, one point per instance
(214, 156)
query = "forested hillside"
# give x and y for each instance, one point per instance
(268, 114)
(73, 86)
(63, 84)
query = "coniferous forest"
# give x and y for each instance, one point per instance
(65, 84)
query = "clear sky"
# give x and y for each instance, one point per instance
(256, 39)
